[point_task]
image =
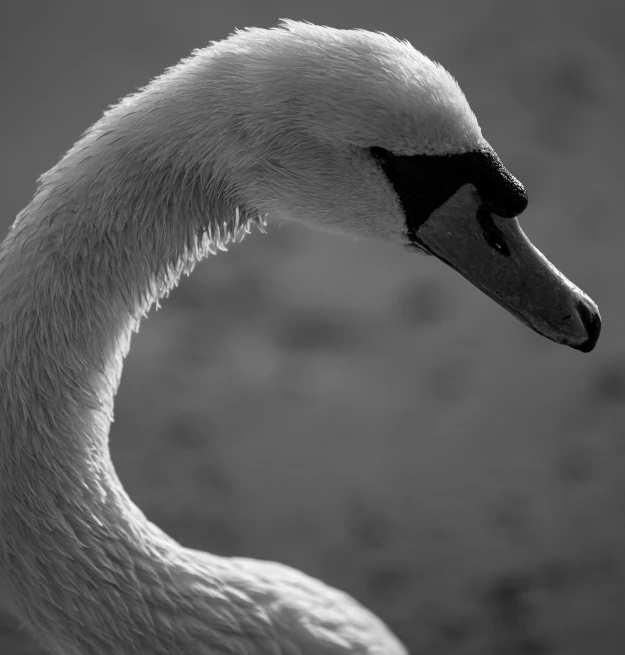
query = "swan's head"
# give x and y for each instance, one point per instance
(360, 133)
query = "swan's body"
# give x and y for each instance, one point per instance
(300, 122)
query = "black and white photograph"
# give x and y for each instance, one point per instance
(311, 327)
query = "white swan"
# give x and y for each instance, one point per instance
(347, 130)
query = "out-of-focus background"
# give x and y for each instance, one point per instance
(354, 410)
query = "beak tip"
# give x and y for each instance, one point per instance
(591, 319)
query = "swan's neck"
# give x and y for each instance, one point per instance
(110, 230)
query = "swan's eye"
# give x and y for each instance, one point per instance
(423, 182)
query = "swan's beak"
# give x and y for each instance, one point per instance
(495, 255)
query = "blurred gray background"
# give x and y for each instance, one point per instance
(354, 410)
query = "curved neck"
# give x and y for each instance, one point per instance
(110, 230)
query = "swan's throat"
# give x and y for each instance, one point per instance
(82, 264)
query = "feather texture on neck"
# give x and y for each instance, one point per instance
(110, 231)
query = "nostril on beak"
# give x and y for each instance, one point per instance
(591, 320)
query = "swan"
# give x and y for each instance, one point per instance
(345, 130)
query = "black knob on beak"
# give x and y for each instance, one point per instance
(499, 190)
